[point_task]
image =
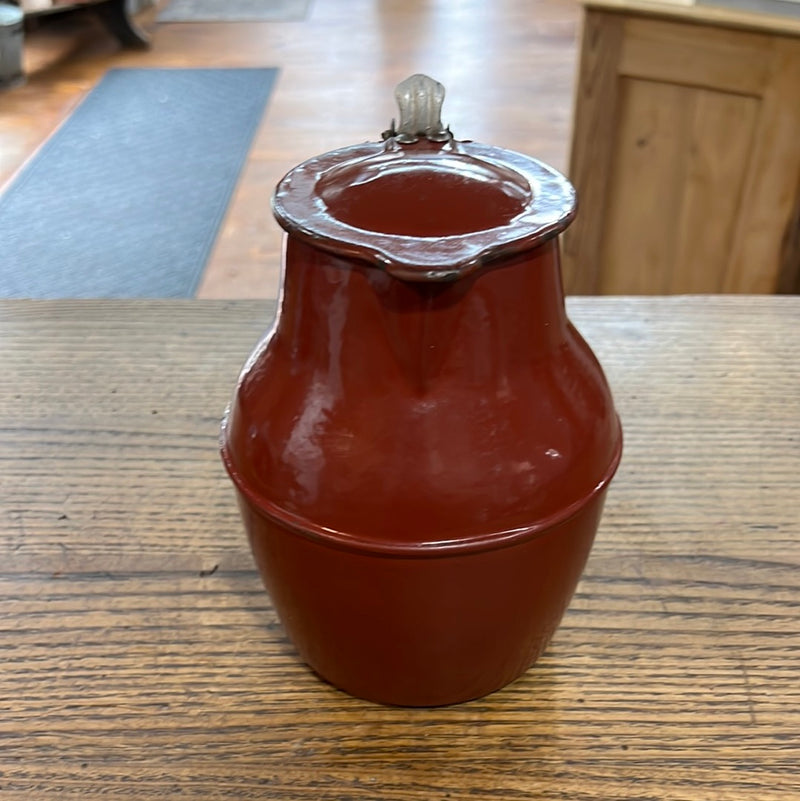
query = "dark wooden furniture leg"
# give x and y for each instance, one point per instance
(116, 18)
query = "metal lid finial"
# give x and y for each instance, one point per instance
(420, 100)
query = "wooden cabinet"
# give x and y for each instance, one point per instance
(685, 152)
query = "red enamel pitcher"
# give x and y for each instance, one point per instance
(422, 444)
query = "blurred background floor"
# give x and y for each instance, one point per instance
(509, 68)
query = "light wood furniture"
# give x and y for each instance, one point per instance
(685, 151)
(141, 658)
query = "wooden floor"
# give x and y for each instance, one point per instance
(508, 66)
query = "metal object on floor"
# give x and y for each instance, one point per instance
(116, 16)
(11, 35)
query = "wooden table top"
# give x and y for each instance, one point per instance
(746, 14)
(141, 658)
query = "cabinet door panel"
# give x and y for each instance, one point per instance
(676, 181)
(721, 146)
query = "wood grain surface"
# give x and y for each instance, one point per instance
(724, 15)
(141, 658)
